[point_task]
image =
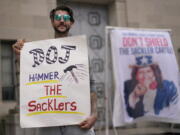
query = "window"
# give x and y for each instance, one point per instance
(7, 70)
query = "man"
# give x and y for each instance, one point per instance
(147, 93)
(62, 20)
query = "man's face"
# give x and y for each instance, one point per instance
(145, 75)
(61, 24)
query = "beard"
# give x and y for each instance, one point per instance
(61, 32)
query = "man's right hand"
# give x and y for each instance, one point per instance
(18, 46)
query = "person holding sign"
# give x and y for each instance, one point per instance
(62, 20)
(147, 93)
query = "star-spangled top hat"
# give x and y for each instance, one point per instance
(143, 61)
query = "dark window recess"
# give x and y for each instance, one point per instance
(7, 70)
(8, 93)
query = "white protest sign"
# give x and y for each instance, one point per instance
(54, 82)
(146, 76)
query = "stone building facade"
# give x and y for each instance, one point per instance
(29, 19)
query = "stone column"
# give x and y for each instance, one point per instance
(118, 13)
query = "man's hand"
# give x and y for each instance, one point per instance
(18, 46)
(89, 122)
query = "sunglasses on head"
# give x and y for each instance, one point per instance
(58, 17)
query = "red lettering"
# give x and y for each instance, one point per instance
(132, 41)
(44, 106)
(66, 105)
(38, 107)
(129, 42)
(61, 106)
(46, 86)
(32, 106)
(165, 42)
(53, 90)
(55, 107)
(52, 105)
(141, 41)
(50, 108)
(73, 106)
(156, 42)
(59, 90)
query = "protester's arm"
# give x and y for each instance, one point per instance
(94, 104)
(90, 121)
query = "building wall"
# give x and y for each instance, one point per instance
(24, 19)
(117, 13)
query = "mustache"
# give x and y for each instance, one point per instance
(57, 31)
(62, 24)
